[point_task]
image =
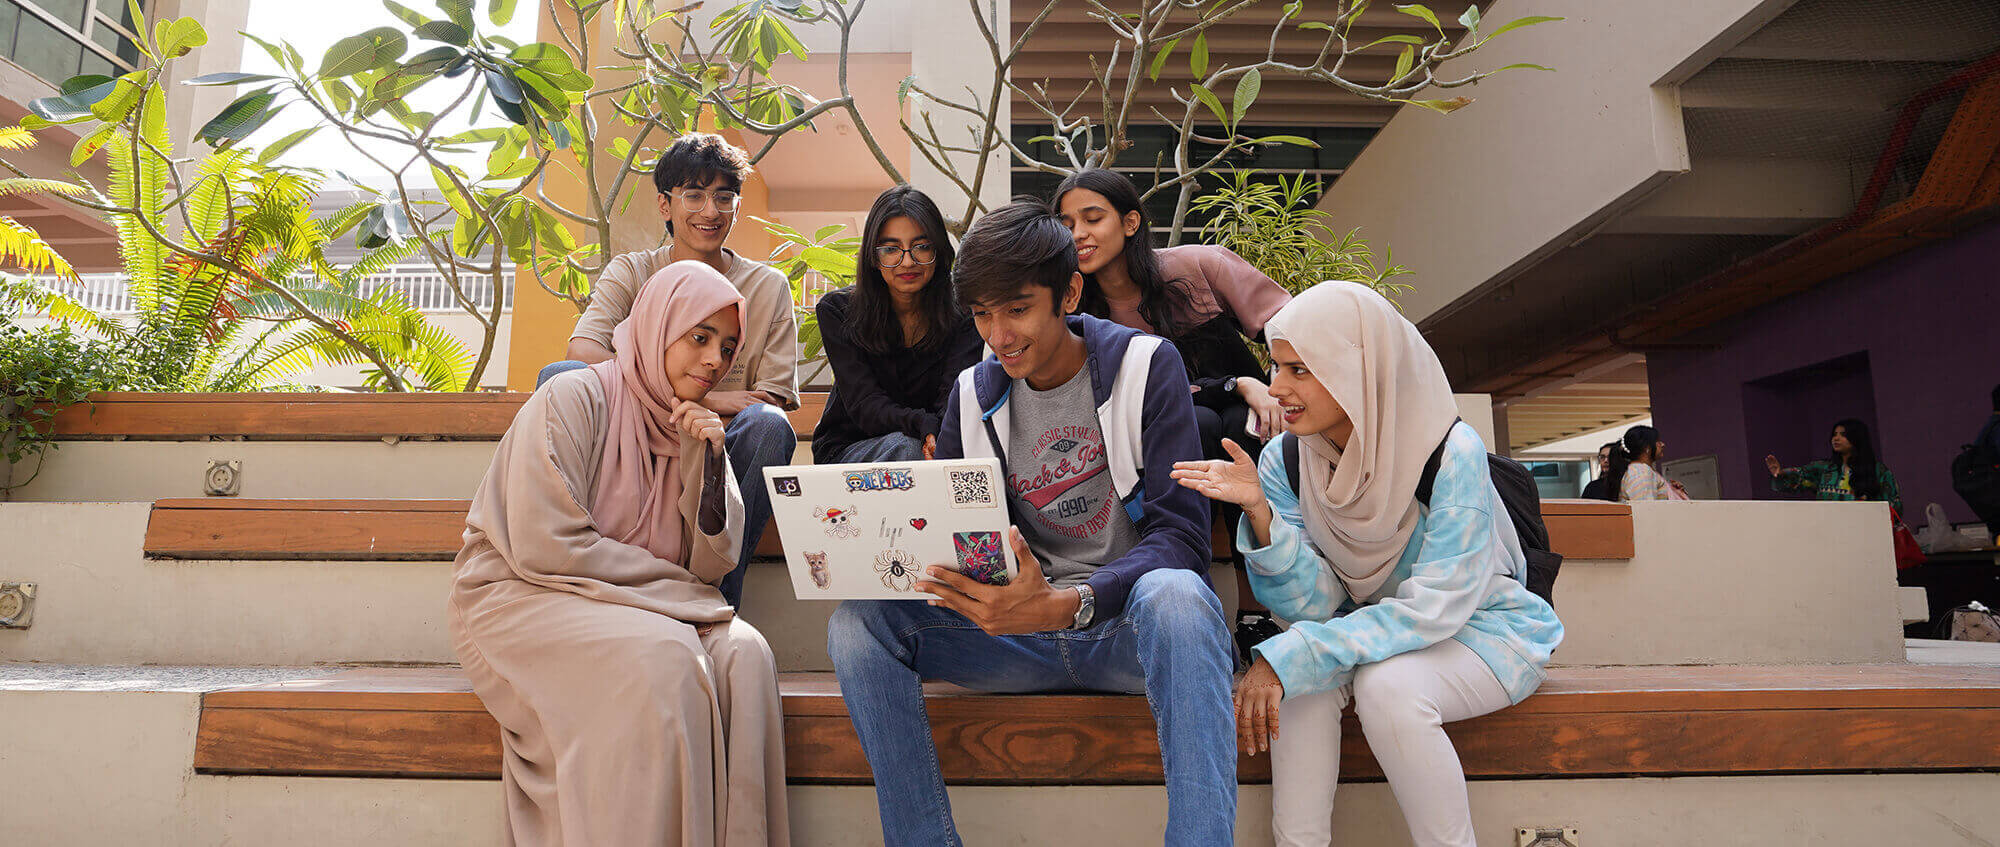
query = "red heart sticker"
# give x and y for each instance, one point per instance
(918, 522)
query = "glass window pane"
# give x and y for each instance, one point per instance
(106, 36)
(10, 17)
(68, 11)
(129, 52)
(95, 64)
(45, 52)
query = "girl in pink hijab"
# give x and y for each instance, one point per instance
(634, 707)
(1416, 612)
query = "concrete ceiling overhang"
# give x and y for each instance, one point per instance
(1807, 158)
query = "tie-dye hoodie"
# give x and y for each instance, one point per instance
(1459, 578)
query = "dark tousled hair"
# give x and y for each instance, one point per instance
(1157, 298)
(1010, 249)
(873, 315)
(1861, 458)
(696, 159)
(1638, 441)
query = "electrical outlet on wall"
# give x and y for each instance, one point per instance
(17, 605)
(1546, 836)
(224, 478)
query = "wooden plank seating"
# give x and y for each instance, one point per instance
(1585, 722)
(430, 530)
(479, 416)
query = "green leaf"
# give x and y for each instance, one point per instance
(72, 107)
(1442, 107)
(277, 55)
(828, 231)
(505, 89)
(83, 82)
(430, 61)
(278, 148)
(1394, 39)
(445, 31)
(1160, 59)
(1288, 139)
(512, 111)
(1247, 88)
(87, 146)
(367, 51)
(460, 11)
(1317, 25)
(1198, 60)
(1214, 105)
(551, 100)
(1517, 23)
(1403, 64)
(239, 119)
(123, 98)
(405, 14)
(139, 28)
(178, 36)
(903, 88)
(502, 11)
(1470, 20)
(1418, 10)
(229, 78)
(1529, 65)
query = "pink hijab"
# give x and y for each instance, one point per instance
(638, 494)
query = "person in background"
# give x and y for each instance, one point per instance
(1203, 298)
(1634, 470)
(1986, 452)
(1600, 488)
(1417, 614)
(1854, 472)
(895, 338)
(700, 179)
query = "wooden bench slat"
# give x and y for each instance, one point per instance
(432, 530)
(318, 417)
(1586, 722)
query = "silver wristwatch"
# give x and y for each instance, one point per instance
(1086, 606)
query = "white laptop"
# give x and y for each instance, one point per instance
(867, 531)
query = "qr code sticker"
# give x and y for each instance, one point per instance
(971, 488)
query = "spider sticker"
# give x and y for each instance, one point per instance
(816, 565)
(838, 520)
(897, 568)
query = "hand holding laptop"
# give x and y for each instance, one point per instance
(1028, 604)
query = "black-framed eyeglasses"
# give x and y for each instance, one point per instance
(891, 255)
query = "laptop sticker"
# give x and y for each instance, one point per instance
(971, 488)
(816, 564)
(787, 486)
(838, 520)
(897, 568)
(979, 556)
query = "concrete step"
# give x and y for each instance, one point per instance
(110, 760)
(1805, 583)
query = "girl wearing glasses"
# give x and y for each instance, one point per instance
(895, 338)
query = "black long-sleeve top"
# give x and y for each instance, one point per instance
(901, 390)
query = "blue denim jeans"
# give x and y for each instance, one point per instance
(755, 438)
(894, 447)
(1169, 643)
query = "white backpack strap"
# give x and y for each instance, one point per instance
(1123, 415)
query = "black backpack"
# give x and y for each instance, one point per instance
(1517, 492)
(1975, 475)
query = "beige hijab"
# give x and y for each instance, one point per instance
(1360, 503)
(639, 486)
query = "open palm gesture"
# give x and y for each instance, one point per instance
(1233, 481)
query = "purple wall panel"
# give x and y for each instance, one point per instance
(1927, 320)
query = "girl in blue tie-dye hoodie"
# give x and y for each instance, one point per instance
(1416, 613)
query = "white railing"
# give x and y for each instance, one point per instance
(422, 285)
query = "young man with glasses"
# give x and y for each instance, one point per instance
(700, 180)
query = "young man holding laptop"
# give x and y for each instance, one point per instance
(1087, 419)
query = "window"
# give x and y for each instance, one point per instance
(1338, 147)
(59, 39)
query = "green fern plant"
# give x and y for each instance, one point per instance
(226, 265)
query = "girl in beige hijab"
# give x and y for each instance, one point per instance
(1417, 613)
(634, 708)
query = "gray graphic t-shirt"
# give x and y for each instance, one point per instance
(1059, 479)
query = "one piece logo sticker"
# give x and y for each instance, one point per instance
(838, 520)
(880, 479)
